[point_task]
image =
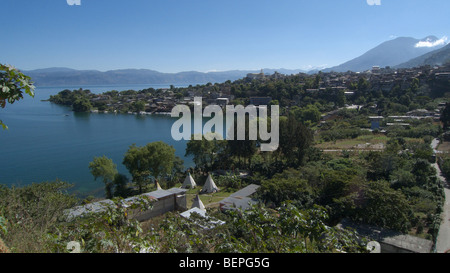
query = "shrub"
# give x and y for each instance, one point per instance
(31, 212)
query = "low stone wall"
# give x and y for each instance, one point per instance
(163, 201)
(160, 207)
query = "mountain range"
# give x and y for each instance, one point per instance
(392, 53)
(435, 57)
(61, 76)
(402, 52)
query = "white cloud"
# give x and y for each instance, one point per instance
(313, 67)
(429, 43)
(374, 2)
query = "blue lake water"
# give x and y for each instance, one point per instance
(46, 142)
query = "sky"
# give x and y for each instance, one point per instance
(207, 35)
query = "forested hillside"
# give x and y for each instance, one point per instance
(333, 163)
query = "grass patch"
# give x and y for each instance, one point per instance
(364, 142)
(208, 199)
(444, 147)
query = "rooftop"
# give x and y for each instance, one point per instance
(240, 199)
(393, 238)
(102, 205)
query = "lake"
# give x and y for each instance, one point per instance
(46, 142)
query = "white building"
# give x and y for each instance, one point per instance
(163, 202)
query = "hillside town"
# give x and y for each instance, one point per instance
(396, 113)
(161, 101)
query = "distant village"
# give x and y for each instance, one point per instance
(161, 101)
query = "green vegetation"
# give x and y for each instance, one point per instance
(261, 230)
(81, 105)
(379, 176)
(31, 212)
(205, 153)
(156, 160)
(445, 167)
(13, 84)
(77, 99)
(34, 219)
(105, 168)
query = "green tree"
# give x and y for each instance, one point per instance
(81, 104)
(310, 114)
(340, 98)
(242, 148)
(120, 183)
(205, 152)
(13, 84)
(378, 204)
(363, 85)
(139, 106)
(423, 172)
(105, 168)
(445, 117)
(281, 189)
(155, 160)
(295, 139)
(445, 166)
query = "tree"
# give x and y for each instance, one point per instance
(423, 172)
(153, 160)
(242, 148)
(105, 168)
(445, 166)
(379, 204)
(176, 174)
(120, 186)
(205, 152)
(445, 117)
(281, 189)
(310, 113)
(81, 104)
(12, 86)
(139, 106)
(295, 139)
(363, 85)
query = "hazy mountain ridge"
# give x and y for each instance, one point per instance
(401, 52)
(389, 53)
(436, 57)
(67, 76)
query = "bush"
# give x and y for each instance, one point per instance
(419, 130)
(343, 133)
(445, 167)
(279, 190)
(31, 212)
(228, 181)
